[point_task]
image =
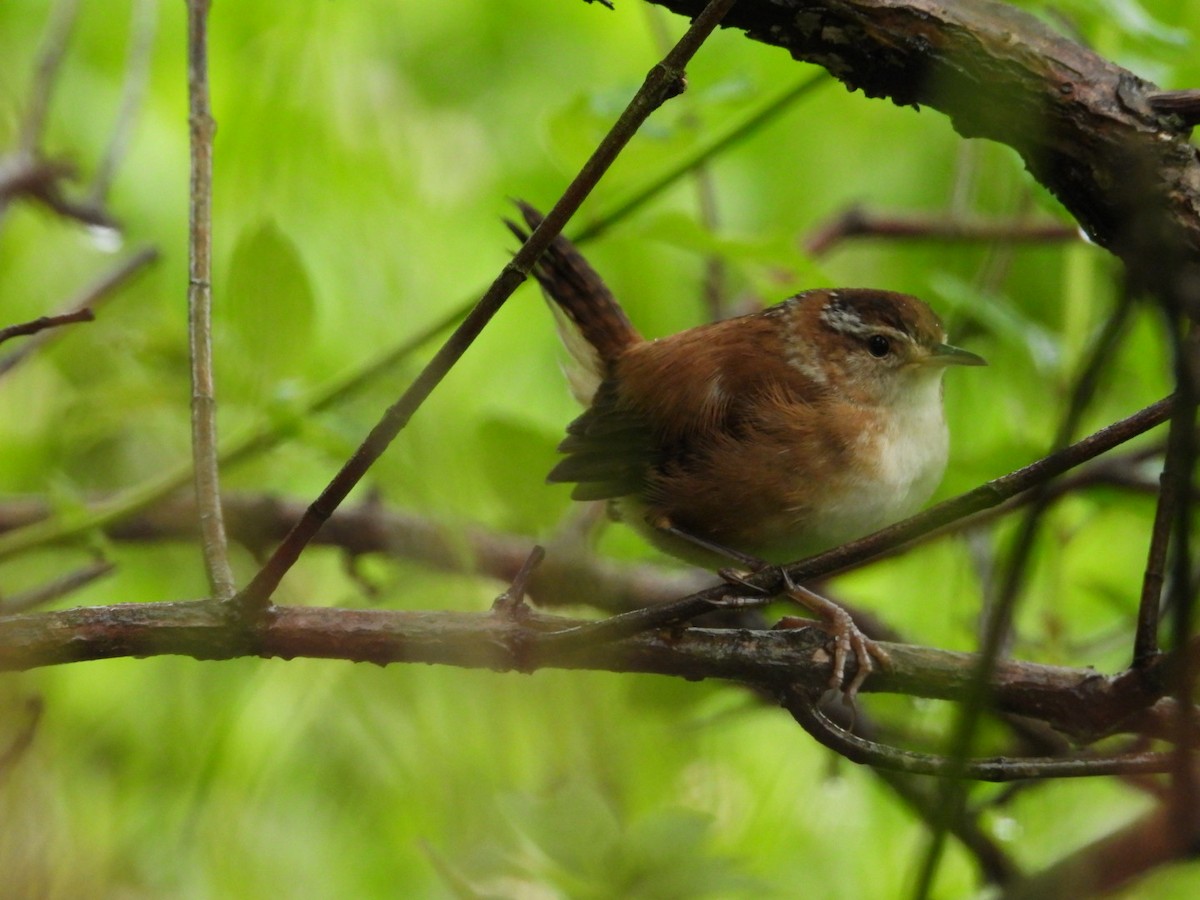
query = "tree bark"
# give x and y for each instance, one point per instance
(1086, 128)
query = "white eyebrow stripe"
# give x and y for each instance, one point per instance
(842, 318)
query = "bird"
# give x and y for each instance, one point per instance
(759, 439)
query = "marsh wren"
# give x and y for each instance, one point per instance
(770, 436)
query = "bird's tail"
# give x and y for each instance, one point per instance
(592, 324)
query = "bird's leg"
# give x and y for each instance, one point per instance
(729, 576)
(846, 634)
(753, 563)
(846, 637)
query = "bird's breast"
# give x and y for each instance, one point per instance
(896, 464)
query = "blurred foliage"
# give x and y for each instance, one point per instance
(364, 156)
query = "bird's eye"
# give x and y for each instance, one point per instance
(878, 346)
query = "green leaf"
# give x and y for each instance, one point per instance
(268, 305)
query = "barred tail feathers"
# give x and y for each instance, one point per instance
(592, 325)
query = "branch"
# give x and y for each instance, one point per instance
(1110, 862)
(857, 222)
(257, 521)
(986, 496)
(41, 180)
(137, 74)
(996, 769)
(56, 589)
(43, 323)
(20, 743)
(204, 405)
(1179, 478)
(663, 81)
(83, 304)
(1078, 702)
(1082, 125)
(54, 47)
(1145, 642)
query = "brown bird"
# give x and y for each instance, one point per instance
(766, 437)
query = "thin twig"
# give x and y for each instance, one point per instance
(715, 145)
(1181, 451)
(137, 74)
(204, 419)
(986, 496)
(512, 601)
(704, 187)
(43, 323)
(24, 173)
(41, 180)
(1184, 104)
(24, 176)
(999, 617)
(663, 81)
(55, 590)
(1145, 641)
(16, 749)
(856, 222)
(650, 618)
(49, 61)
(260, 440)
(84, 304)
(996, 769)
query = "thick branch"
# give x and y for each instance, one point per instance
(1079, 702)
(1084, 126)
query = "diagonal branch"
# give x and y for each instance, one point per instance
(999, 617)
(663, 81)
(54, 47)
(137, 75)
(83, 304)
(986, 496)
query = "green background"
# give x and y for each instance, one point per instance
(365, 155)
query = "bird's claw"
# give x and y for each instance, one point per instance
(847, 639)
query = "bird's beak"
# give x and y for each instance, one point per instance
(946, 355)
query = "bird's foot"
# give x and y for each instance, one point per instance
(847, 639)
